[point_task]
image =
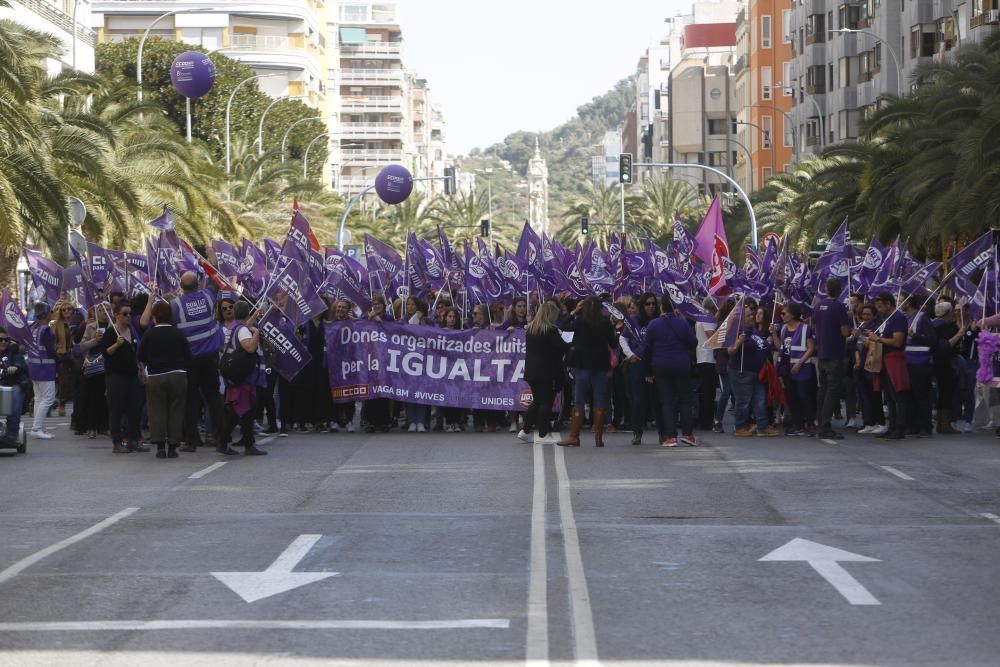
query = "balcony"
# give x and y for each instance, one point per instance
(376, 77)
(262, 42)
(62, 21)
(986, 18)
(740, 65)
(372, 130)
(361, 157)
(370, 103)
(372, 49)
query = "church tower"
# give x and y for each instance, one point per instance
(538, 192)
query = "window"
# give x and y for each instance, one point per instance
(816, 80)
(922, 38)
(829, 26)
(815, 29)
(786, 22)
(767, 123)
(765, 173)
(718, 125)
(765, 32)
(848, 70)
(766, 82)
(829, 78)
(788, 140)
(848, 16)
(847, 123)
(944, 33)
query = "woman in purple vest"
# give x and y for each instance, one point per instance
(240, 398)
(797, 345)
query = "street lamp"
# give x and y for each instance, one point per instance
(749, 159)
(819, 113)
(285, 137)
(767, 137)
(145, 35)
(791, 124)
(229, 108)
(305, 158)
(892, 52)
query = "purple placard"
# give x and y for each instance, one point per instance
(461, 369)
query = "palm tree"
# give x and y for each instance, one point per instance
(601, 203)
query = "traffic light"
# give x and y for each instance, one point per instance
(625, 168)
(484, 227)
(584, 225)
(449, 184)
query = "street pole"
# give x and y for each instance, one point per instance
(791, 124)
(229, 108)
(819, 113)
(305, 158)
(769, 139)
(621, 186)
(743, 194)
(285, 137)
(749, 159)
(889, 48)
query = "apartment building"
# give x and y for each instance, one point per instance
(68, 20)
(604, 168)
(847, 55)
(764, 122)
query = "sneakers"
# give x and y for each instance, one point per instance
(669, 442)
(513, 427)
(851, 423)
(866, 430)
(350, 427)
(523, 436)
(743, 432)
(879, 430)
(689, 440)
(270, 430)
(967, 427)
(283, 431)
(637, 439)
(413, 428)
(421, 428)
(717, 428)
(40, 434)
(768, 432)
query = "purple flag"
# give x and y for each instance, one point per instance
(984, 302)
(72, 279)
(294, 294)
(272, 253)
(435, 270)
(226, 259)
(16, 323)
(164, 222)
(416, 279)
(683, 238)
(89, 296)
(45, 274)
(301, 236)
(290, 354)
(98, 264)
(252, 275)
(385, 266)
(138, 263)
(529, 252)
(343, 282)
(970, 259)
(595, 269)
(480, 282)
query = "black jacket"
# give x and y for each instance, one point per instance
(13, 357)
(543, 357)
(590, 344)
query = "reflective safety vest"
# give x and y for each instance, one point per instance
(194, 314)
(795, 347)
(41, 367)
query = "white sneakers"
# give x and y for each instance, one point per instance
(879, 430)
(513, 427)
(41, 435)
(967, 427)
(867, 430)
(523, 436)
(412, 429)
(552, 438)
(421, 428)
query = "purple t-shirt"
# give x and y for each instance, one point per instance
(755, 352)
(895, 324)
(828, 316)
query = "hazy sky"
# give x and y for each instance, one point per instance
(497, 67)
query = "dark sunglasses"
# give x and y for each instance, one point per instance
(226, 307)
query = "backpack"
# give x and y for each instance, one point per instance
(236, 364)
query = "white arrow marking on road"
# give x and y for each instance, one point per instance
(824, 560)
(278, 578)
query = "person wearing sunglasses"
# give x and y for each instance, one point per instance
(122, 381)
(640, 393)
(14, 374)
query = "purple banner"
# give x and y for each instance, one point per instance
(45, 274)
(14, 321)
(462, 369)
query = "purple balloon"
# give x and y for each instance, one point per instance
(192, 74)
(394, 184)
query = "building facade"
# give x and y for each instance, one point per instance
(68, 20)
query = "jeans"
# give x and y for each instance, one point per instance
(593, 385)
(416, 413)
(14, 418)
(543, 395)
(831, 383)
(920, 398)
(202, 385)
(124, 404)
(45, 398)
(165, 397)
(640, 394)
(673, 389)
(750, 393)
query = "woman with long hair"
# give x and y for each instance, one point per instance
(721, 370)
(747, 356)
(483, 420)
(60, 325)
(93, 406)
(376, 413)
(543, 371)
(796, 342)
(708, 380)
(124, 392)
(454, 418)
(165, 352)
(666, 355)
(593, 338)
(632, 340)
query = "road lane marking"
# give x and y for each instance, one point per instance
(538, 614)
(829, 442)
(28, 561)
(825, 560)
(897, 473)
(204, 471)
(200, 624)
(279, 576)
(579, 596)
(265, 440)
(992, 517)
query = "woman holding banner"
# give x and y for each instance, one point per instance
(543, 371)
(376, 413)
(483, 420)
(454, 418)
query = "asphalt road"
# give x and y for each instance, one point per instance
(476, 549)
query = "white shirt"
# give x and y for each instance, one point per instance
(703, 331)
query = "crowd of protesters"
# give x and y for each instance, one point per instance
(162, 370)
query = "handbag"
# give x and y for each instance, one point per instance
(93, 364)
(236, 364)
(873, 360)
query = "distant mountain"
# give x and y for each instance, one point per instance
(568, 148)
